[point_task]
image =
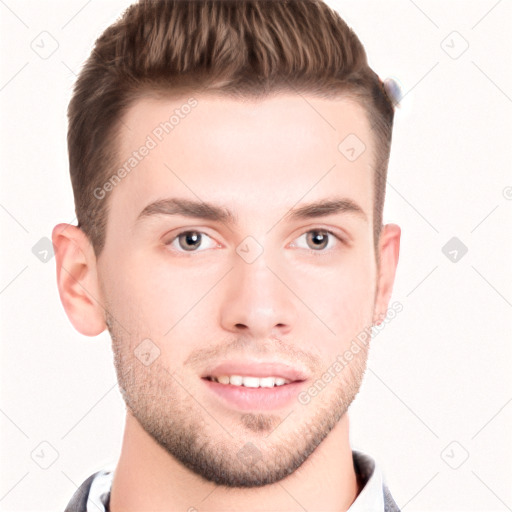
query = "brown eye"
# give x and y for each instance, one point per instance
(318, 239)
(190, 241)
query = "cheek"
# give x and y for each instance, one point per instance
(342, 300)
(160, 300)
(142, 295)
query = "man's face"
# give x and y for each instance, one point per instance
(186, 294)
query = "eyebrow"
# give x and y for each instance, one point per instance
(216, 213)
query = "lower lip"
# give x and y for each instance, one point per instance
(247, 399)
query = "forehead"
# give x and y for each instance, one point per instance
(305, 116)
(270, 152)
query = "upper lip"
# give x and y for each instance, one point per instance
(256, 368)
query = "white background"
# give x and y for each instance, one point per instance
(438, 388)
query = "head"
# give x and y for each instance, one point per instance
(198, 133)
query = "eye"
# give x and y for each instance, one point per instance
(318, 239)
(189, 241)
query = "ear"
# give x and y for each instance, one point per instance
(77, 279)
(389, 247)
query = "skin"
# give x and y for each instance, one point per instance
(302, 300)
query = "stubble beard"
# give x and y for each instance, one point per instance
(263, 449)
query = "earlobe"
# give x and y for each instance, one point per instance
(77, 279)
(389, 247)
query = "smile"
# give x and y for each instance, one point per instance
(254, 393)
(251, 382)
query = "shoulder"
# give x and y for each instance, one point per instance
(98, 481)
(389, 503)
(374, 494)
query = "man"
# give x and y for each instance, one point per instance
(228, 162)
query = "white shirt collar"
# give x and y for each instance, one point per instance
(99, 493)
(370, 498)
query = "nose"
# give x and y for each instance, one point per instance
(257, 300)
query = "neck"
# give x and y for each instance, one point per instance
(148, 478)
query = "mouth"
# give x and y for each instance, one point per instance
(250, 381)
(255, 385)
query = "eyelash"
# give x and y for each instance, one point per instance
(316, 252)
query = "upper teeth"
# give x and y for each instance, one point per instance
(251, 382)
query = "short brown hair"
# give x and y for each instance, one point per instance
(237, 48)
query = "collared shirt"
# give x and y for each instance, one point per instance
(94, 493)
